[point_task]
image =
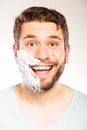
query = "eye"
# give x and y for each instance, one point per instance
(31, 44)
(52, 44)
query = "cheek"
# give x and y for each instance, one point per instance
(30, 53)
(60, 56)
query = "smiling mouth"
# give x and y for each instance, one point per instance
(41, 68)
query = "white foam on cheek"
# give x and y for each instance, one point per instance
(24, 55)
(24, 60)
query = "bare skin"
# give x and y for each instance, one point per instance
(42, 109)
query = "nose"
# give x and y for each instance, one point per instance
(42, 53)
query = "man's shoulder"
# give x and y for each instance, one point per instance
(79, 101)
(6, 99)
(79, 95)
(6, 96)
(4, 93)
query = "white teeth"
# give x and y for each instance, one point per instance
(41, 68)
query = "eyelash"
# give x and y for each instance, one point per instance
(30, 43)
(53, 44)
(50, 44)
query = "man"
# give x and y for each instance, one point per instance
(41, 51)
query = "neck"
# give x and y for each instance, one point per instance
(46, 97)
(47, 106)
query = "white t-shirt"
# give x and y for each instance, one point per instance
(11, 118)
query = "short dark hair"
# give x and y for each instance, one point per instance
(40, 14)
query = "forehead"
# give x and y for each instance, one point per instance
(40, 29)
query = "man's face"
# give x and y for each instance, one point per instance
(43, 41)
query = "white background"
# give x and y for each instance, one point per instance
(75, 11)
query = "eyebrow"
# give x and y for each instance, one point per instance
(29, 36)
(55, 37)
(34, 36)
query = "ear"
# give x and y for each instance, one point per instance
(15, 51)
(67, 54)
